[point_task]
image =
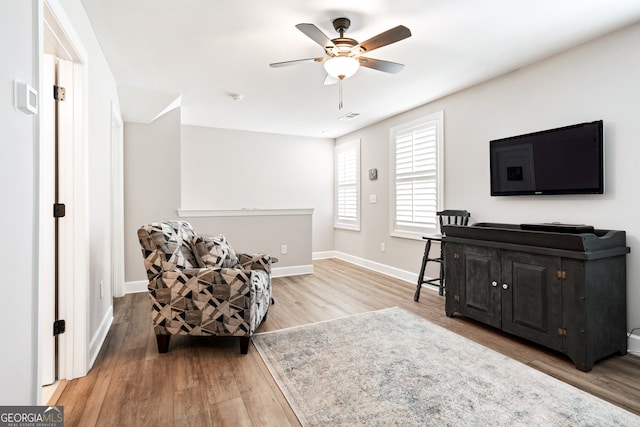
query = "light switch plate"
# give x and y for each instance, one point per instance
(26, 97)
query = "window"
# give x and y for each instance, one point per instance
(416, 171)
(347, 185)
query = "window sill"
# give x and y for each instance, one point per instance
(347, 227)
(410, 235)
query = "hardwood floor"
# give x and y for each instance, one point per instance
(207, 382)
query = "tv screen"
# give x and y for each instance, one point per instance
(566, 160)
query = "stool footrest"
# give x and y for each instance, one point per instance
(436, 281)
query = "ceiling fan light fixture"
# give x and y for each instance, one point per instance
(341, 67)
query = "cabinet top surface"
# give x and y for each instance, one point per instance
(567, 239)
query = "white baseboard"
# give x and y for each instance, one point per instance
(101, 334)
(135, 287)
(407, 276)
(291, 271)
(323, 255)
(633, 344)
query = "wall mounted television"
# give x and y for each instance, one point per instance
(566, 160)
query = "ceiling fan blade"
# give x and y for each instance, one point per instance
(315, 34)
(295, 62)
(328, 80)
(380, 65)
(390, 36)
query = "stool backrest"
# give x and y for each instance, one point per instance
(453, 217)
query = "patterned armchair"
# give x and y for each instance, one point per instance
(199, 286)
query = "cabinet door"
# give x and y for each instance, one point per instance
(532, 297)
(478, 294)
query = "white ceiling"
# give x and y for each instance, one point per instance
(198, 53)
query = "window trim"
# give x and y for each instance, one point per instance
(337, 222)
(416, 233)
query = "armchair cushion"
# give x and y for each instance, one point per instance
(167, 246)
(214, 251)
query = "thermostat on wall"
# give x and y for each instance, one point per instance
(26, 98)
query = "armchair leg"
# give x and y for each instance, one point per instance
(244, 344)
(163, 343)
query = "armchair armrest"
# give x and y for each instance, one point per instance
(256, 261)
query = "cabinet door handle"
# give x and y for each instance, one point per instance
(505, 286)
(494, 283)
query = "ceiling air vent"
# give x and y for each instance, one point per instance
(349, 116)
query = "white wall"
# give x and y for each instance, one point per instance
(18, 322)
(19, 29)
(152, 181)
(598, 80)
(230, 169)
(169, 167)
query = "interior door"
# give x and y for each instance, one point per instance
(47, 246)
(57, 122)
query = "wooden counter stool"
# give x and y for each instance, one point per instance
(446, 217)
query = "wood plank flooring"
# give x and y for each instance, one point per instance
(207, 382)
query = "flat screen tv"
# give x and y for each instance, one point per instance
(566, 160)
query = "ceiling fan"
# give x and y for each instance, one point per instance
(344, 55)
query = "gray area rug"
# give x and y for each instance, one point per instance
(390, 367)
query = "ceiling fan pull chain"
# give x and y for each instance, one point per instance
(340, 94)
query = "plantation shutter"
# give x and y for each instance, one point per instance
(416, 177)
(347, 164)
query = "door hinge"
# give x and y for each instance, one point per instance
(59, 327)
(59, 210)
(456, 298)
(561, 274)
(456, 255)
(562, 332)
(58, 93)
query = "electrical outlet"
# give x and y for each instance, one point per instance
(283, 249)
(383, 247)
(101, 289)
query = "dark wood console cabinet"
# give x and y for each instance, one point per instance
(566, 291)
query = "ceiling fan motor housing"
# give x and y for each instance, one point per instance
(345, 46)
(341, 25)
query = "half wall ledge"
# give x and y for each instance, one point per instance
(196, 213)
